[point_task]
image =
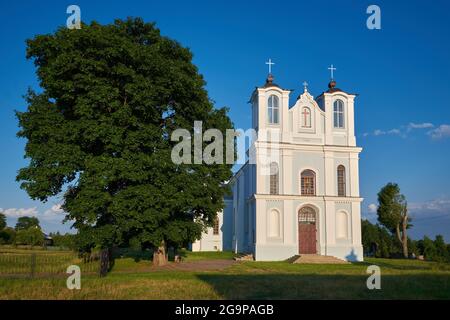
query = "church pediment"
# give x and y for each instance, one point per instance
(307, 100)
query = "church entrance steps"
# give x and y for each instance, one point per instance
(244, 257)
(293, 258)
(318, 259)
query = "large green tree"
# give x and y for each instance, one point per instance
(99, 132)
(24, 223)
(393, 213)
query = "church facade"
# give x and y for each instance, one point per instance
(304, 200)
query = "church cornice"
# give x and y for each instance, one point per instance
(306, 198)
(309, 147)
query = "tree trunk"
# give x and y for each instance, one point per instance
(106, 261)
(404, 236)
(159, 255)
(397, 232)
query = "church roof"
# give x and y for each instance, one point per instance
(269, 82)
(332, 89)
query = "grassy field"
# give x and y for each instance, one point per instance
(24, 262)
(133, 278)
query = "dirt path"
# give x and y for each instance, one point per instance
(201, 265)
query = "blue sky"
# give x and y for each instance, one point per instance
(401, 73)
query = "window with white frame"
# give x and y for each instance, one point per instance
(338, 112)
(274, 178)
(273, 109)
(341, 180)
(308, 183)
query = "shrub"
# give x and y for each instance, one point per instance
(32, 236)
(7, 236)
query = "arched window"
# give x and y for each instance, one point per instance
(307, 215)
(273, 108)
(342, 225)
(306, 117)
(274, 224)
(338, 114)
(341, 180)
(274, 178)
(308, 183)
(216, 226)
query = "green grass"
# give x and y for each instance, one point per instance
(24, 261)
(132, 279)
(197, 256)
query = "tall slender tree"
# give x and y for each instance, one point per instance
(99, 133)
(393, 213)
(2, 221)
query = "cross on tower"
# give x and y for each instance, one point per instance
(332, 68)
(270, 63)
(305, 85)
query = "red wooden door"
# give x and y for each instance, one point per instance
(307, 238)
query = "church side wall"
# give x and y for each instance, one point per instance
(210, 241)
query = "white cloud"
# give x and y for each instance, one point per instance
(20, 212)
(431, 208)
(443, 131)
(379, 132)
(425, 125)
(372, 208)
(442, 204)
(52, 214)
(394, 131)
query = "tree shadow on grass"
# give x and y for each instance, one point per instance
(395, 266)
(313, 286)
(136, 254)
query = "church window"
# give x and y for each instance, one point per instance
(338, 114)
(306, 118)
(342, 225)
(274, 224)
(307, 215)
(274, 178)
(216, 226)
(308, 183)
(341, 180)
(273, 109)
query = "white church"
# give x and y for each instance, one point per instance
(308, 202)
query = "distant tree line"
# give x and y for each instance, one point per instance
(388, 238)
(28, 231)
(380, 243)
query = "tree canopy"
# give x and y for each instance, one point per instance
(24, 223)
(31, 236)
(99, 133)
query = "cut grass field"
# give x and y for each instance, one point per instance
(135, 279)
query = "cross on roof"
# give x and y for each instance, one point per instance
(305, 85)
(270, 63)
(332, 68)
